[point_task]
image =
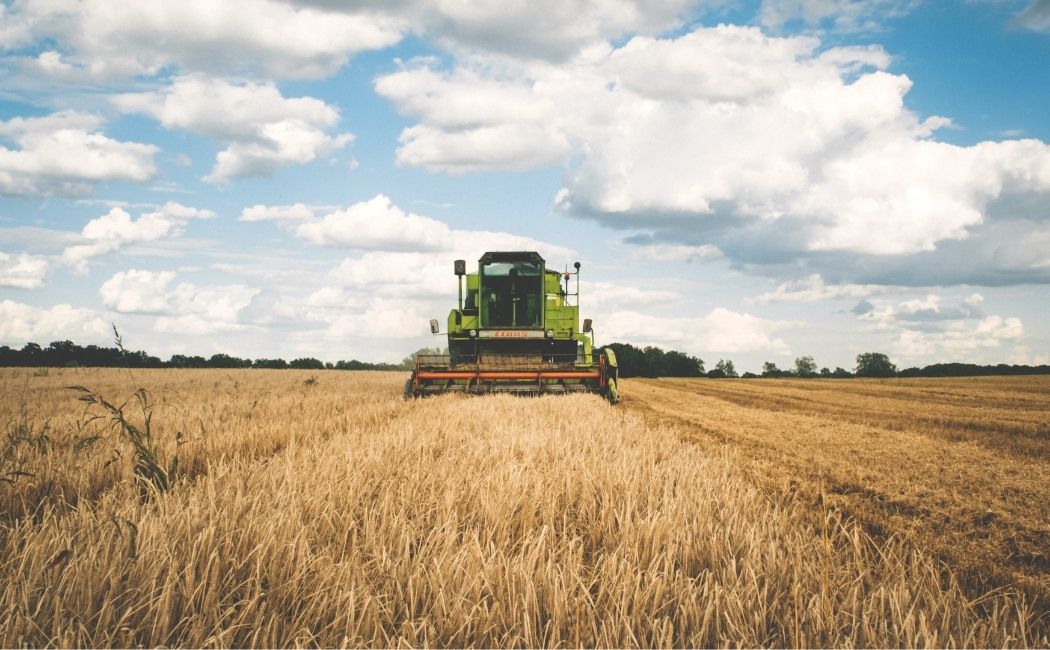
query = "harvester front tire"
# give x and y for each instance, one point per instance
(612, 393)
(407, 393)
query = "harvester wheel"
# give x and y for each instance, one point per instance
(611, 392)
(407, 392)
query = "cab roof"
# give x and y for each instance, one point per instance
(511, 256)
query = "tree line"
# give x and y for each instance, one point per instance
(648, 361)
(653, 362)
(68, 354)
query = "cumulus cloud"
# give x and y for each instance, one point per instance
(768, 149)
(314, 38)
(186, 308)
(930, 309)
(377, 224)
(64, 153)
(383, 318)
(813, 288)
(278, 213)
(22, 270)
(958, 340)
(107, 40)
(679, 252)
(551, 30)
(610, 296)
(137, 291)
(20, 323)
(927, 328)
(263, 130)
(116, 229)
(720, 331)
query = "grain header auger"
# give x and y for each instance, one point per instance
(517, 331)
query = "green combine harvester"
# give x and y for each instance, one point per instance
(516, 332)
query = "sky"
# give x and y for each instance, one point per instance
(753, 181)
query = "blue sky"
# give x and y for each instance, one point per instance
(752, 181)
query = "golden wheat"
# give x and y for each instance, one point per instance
(334, 513)
(960, 467)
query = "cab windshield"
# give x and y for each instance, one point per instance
(511, 294)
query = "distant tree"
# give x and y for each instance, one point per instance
(184, 361)
(221, 360)
(824, 372)
(273, 364)
(769, 369)
(680, 364)
(716, 373)
(61, 353)
(726, 366)
(306, 363)
(749, 375)
(841, 373)
(651, 361)
(875, 364)
(805, 367)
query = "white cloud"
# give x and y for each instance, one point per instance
(64, 153)
(472, 123)
(135, 291)
(926, 328)
(278, 213)
(194, 325)
(20, 323)
(835, 15)
(608, 296)
(116, 229)
(720, 331)
(959, 340)
(813, 288)
(403, 273)
(106, 39)
(550, 29)
(314, 38)
(752, 141)
(221, 304)
(1023, 355)
(680, 253)
(23, 271)
(262, 129)
(187, 308)
(384, 318)
(377, 224)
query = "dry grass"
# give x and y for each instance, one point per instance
(959, 467)
(336, 514)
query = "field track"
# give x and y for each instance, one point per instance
(961, 467)
(321, 509)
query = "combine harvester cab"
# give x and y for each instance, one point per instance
(517, 330)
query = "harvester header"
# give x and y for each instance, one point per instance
(516, 329)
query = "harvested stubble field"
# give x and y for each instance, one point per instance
(321, 509)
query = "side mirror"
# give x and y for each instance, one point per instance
(460, 266)
(586, 325)
(434, 329)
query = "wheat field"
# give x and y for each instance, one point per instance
(319, 509)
